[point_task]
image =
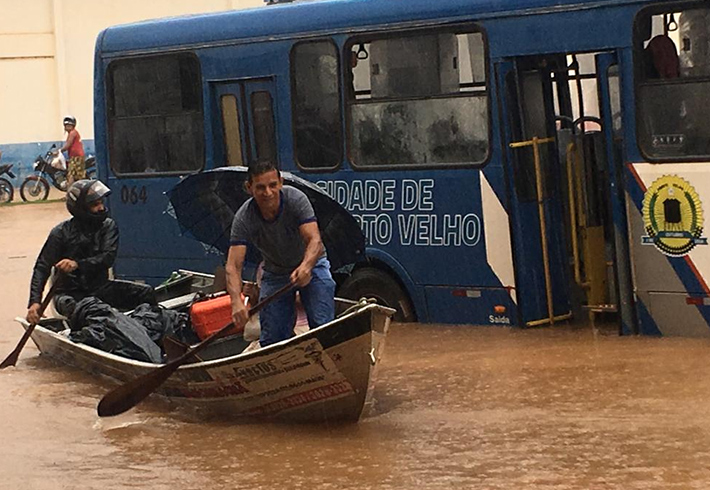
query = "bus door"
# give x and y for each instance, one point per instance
(536, 211)
(620, 296)
(589, 143)
(245, 129)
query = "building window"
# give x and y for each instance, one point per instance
(317, 118)
(155, 115)
(419, 99)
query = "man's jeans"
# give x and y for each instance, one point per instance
(279, 317)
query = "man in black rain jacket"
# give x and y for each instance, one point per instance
(84, 248)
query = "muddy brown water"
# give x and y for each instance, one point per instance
(456, 407)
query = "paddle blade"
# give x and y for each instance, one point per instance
(130, 394)
(11, 360)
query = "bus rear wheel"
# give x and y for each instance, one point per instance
(374, 283)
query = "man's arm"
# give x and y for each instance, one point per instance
(310, 235)
(43, 267)
(235, 262)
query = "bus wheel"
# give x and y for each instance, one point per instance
(373, 283)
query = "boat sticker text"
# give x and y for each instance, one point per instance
(272, 383)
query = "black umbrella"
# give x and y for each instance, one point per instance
(204, 205)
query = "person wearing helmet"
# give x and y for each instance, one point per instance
(84, 248)
(76, 168)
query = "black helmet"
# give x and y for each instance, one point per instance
(81, 194)
(70, 120)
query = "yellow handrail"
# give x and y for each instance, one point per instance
(535, 142)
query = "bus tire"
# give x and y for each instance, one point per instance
(374, 283)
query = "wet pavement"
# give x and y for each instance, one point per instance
(456, 407)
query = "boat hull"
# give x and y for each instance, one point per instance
(325, 374)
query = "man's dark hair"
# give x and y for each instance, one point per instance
(261, 167)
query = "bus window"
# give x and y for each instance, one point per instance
(232, 130)
(263, 117)
(419, 99)
(529, 94)
(316, 105)
(155, 115)
(673, 72)
(615, 100)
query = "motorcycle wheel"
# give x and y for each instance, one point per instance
(34, 189)
(7, 192)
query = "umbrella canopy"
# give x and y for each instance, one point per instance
(204, 205)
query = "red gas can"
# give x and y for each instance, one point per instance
(212, 314)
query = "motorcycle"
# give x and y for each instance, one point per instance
(7, 191)
(52, 166)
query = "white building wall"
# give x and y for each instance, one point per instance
(29, 104)
(76, 46)
(46, 63)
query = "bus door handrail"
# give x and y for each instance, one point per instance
(535, 142)
(571, 153)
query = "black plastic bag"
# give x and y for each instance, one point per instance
(97, 324)
(160, 322)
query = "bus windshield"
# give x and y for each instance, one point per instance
(673, 69)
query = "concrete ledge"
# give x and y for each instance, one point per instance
(31, 45)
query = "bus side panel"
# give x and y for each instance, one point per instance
(673, 287)
(471, 305)
(558, 32)
(435, 227)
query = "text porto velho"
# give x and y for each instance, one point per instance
(391, 211)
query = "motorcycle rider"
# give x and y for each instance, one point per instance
(83, 248)
(76, 168)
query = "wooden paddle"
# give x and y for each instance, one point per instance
(174, 348)
(130, 394)
(11, 360)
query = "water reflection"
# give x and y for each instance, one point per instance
(456, 407)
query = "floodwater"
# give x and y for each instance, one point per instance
(457, 407)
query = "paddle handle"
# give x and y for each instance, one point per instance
(11, 360)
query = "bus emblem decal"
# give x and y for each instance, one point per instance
(673, 216)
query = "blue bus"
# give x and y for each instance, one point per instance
(510, 163)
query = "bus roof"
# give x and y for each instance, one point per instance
(308, 17)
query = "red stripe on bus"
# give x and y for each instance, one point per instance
(702, 282)
(631, 168)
